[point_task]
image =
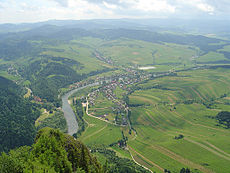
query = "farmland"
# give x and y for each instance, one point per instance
(170, 115)
(166, 114)
(162, 118)
(173, 116)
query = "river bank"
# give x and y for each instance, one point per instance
(68, 111)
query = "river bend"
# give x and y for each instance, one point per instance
(68, 111)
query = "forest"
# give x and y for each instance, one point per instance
(54, 151)
(17, 117)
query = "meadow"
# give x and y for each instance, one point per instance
(99, 132)
(134, 53)
(128, 51)
(81, 52)
(185, 106)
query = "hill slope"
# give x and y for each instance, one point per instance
(17, 117)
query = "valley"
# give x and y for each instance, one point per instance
(133, 97)
(163, 107)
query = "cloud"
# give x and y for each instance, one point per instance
(110, 6)
(62, 2)
(205, 7)
(34, 10)
(102, 1)
(153, 6)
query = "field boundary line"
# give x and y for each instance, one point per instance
(179, 158)
(139, 163)
(84, 138)
(209, 149)
(195, 124)
(198, 94)
(216, 148)
(87, 108)
(154, 164)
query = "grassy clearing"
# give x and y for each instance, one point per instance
(44, 115)
(28, 94)
(8, 76)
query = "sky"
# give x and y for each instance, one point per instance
(20, 11)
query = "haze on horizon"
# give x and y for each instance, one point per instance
(20, 11)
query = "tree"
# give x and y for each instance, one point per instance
(48, 151)
(183, 170)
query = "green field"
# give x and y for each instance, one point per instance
(164, 115)
(103, 107)
(211, 56)
(162, 109)
(172, 117)
(165, 108)
(81, 52)
(127, 51)
(98, 132)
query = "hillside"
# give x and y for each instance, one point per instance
(154, 96)
(51, 152)
(17, 116)
(54, 151)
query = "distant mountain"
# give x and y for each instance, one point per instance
(12, 44)
(208, 26)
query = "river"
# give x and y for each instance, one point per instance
(68, 112)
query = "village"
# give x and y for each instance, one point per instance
(125, 81)
(107, 87)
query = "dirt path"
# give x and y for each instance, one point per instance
(134, 136)
(227, 84)
(198, 94)
(94, 133)
(190, 134)
(152, 118)
(154, 164)
(190, 122)
(139, 163)
(87, 108)
(218, 149)
(144, 99)
(171, 100)
(209, 149)
(173, 96)
(100, 108)
(213, 92)
(180, 159)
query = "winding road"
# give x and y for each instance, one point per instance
(68, 112)
(71, 117)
